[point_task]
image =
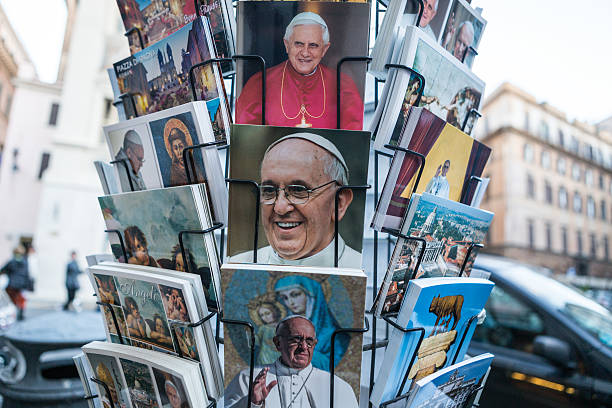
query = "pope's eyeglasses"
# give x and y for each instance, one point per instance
(294, 193)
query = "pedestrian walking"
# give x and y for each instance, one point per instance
(72, 279)
(19, 279)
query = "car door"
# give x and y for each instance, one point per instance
(519, 377)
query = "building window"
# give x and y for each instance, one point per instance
(548, 194)
(602, 182)
(564, 239)
(545, 159)
(606, 248)
(588, 177)
(603, 212)
(530, 234)
(53, 115)
(561, 138)
(593, 246)
(548, 237)
(588, 151)
(579, 242)
(543, 132)
(590, 207)
(574, 145)
(561, 165)
(528, 153)
(44, 164)
(576, 173)
(530, 187)
(577, 202)
(562, 198)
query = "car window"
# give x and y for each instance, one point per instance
(509, 323)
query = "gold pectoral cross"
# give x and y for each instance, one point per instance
(303, 123)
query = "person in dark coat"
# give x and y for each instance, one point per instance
(19, 279)
(72, 279)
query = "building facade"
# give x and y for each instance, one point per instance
(551, 185)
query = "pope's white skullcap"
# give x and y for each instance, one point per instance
(316, 139)
(284, 320)
(132, 137)
(308, 17)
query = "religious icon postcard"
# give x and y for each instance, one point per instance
(302, 48)
(449, 229)
(451, 90)
(300, 179)
(401, 14)
(154, 20)
(446, 309)
(296, 313)
(157, 77)
(134, 377)
(149, 223)
(150, 151)
(454, 386)
(464, 28)
(452, 158)
(156, 311)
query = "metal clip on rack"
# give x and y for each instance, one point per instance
(472, 112)
(124, 162)
(123, 251)
(469, 50)
(332, 362)
(339, 82)
(129, 32)
(422, 241)
(257, 58)
(114, 316)
(190, 149)
(215, 226)
(467, 256)
(420, 78)
(132, 102)
(399, 396)
(466, 188)
(174, 323)
(336, 198)
(255, 186)
(106, 389)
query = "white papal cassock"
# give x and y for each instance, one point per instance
(307, 388)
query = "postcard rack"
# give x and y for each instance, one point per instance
(124, 162)
(471, 117)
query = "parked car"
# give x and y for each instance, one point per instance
(552, 345)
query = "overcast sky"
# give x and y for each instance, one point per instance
(557, 50)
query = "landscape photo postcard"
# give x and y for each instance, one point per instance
(301, 91)
(454, 386)
(132, 145)
(158, 76)
(443, 307)
(139, 383)
(464, 29)
(150, 222)
(107, 370)
(451, 159)
(451, 89)
(267, 295)
(248, 159)
(157, 19)
(449, 229)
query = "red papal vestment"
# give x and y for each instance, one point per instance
(308, 90)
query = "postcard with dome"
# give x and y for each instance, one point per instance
(446, 229)
(294, 312)
(157, 77)
(156, 19)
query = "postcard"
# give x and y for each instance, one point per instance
(300, 174)
(463, 29)
(156, 20)
(106, 369)
(443, 307)
(301, 91)
(296, 308)
(139, 382)
(456, 385)
(158, 77)
(150, 222)
(451, 159)
(448, 228)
